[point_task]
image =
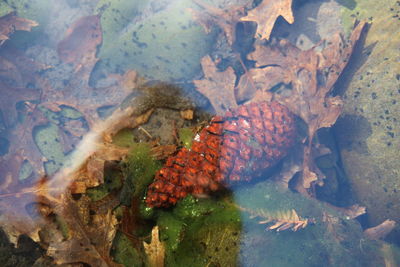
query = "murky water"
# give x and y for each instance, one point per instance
(111, 152)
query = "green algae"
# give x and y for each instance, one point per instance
(123, 138)
(138, 168)
(186, 137)
(200, 232)
(124, 253)
(112, 182)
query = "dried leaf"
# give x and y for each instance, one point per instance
(10, 23)
(187, 114)
(155, 251)
(266, 13)
(163, 151)
(217, 86)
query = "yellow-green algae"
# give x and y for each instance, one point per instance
(186, 137)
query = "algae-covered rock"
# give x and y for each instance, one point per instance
(157, 38)
(369, 131)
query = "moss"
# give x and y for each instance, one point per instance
(146, 213)
(124, 253)
(171, 230)
(138, 169)
(123, 138)
(112, 181)
(200, 232)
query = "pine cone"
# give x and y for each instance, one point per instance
(231, 149)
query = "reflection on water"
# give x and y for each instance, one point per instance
(103, 162)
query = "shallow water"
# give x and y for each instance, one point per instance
(77, 145)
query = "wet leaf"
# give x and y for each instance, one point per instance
(225, 18)
(217, 86)
(80, 43)
(90, 241)
(155, 250)
(311, 74)
(266, 13)
(10, 23)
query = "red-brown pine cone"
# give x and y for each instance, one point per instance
(233, 148)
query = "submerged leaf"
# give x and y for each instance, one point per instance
(217, 86)
(225, 18)
(155, 250)
(10, 23)
(266, 13)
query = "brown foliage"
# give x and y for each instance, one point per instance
(217, 86)
(266, 13)
(225, 18)
(10, 23)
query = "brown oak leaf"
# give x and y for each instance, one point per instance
(218, 87)
(266, 13)
(311, 74)
(10, 23)
(80, 43)
(225, 18)
(90, 239)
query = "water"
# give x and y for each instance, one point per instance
(78, 142)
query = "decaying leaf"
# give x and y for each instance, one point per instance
(218, 87)
(380, 231)
(10, 23)
(90, 242)
(266, 13)
(155, 250)
(80, 43)
(225, 18)
(311, 74)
